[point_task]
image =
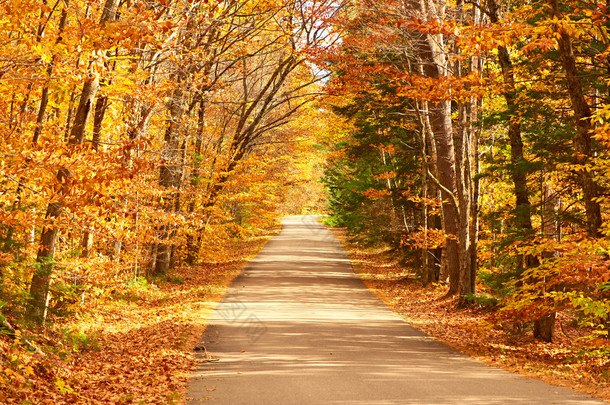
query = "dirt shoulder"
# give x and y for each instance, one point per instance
(564, 362)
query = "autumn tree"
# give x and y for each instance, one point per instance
(135, 131)
(424, 52)
(39, 288)
(486, 85)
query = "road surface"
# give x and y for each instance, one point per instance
(298, 327)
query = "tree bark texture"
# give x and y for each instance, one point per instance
(464, 196)
(440, 121)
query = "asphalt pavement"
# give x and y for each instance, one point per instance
(298, 327)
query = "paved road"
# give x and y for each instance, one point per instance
(298, 327)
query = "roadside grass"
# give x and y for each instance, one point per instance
(567, 361)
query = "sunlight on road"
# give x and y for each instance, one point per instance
(298, 327)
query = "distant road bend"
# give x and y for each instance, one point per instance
(298, 327)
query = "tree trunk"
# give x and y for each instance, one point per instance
(464, 196)
(169, 177)
(582, 116)
(476, 192)
(518, 169)
(467, 196)
(440, 121)
(427, 259)
(90, 88)
(98, 118)
(439, 269)
(39, 287)
(429, 49)
(86, 244)
(544, 328)
(192, 247)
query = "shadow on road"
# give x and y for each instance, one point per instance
(297, 327)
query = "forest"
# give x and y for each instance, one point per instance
(474, 139)
(149, 145)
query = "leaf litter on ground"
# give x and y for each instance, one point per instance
(134, 347)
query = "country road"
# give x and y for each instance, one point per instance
(298, 327)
